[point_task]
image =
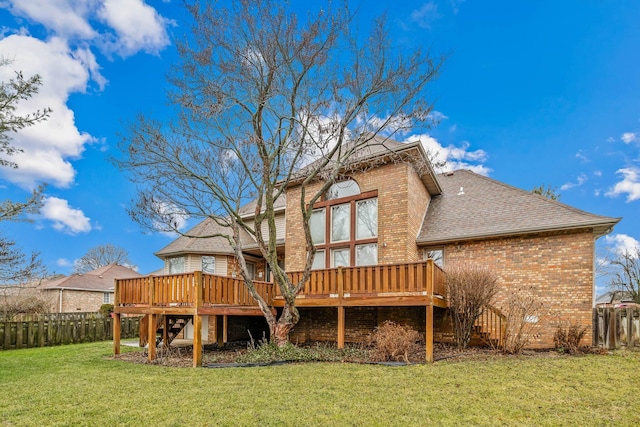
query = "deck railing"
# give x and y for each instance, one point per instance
(189, 289)
(413, 278)
(180, 290)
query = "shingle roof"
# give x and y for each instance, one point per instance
(473, 207)
(100, 279)
(382, 149)
(211, 245)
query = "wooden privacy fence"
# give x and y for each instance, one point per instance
(614, 328)
(57, 330)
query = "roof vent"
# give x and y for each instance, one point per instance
(449, 173)
(461, 192)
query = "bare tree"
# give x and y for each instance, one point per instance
(266, 100)
(470, 288)
(101, 256)
(625, 270)
(16, 267)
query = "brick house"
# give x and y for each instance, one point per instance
(85, 292)
(392, 216)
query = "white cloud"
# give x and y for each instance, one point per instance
(628, 137)
(582, 178)
(170, 214)
(437, 116)
(67, 18)
(64, 217)
(49, 145)
(137, 26)
(63, 262)
(129, 26)
(597, 173)
(580, 156)
(622, 243)
(425, 15)
(630, 184)
(455, 157)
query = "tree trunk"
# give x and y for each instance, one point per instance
(282, 327)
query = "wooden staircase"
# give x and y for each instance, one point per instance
(489, 329)
(173, 323)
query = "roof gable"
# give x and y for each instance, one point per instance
(473, 206)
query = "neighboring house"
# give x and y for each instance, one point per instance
(85, 292)
(394, 214)
(614, 298)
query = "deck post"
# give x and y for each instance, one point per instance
(116, 319)
(116, 333)
(225, 328)
(429, 334)
(165, 331)
(431, 276)
(219, 331)
(151, 337)
(340, 308)
(197, 320)
(340, 326)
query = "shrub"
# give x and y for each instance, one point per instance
(393, 342)
(523, 311)
(106, 309)
(568, 338)
(469, 287)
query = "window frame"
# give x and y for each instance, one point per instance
(328, 246)
(202, 263)
(184, 264)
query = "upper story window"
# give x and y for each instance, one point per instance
(209, 264)
(344, 227)
(176, 265)
(342, 189)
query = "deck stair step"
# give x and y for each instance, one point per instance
(175, 325)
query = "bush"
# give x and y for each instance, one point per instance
(106, 309)
(523, 310)
(29, 304)
(568, 338)
(393, 342)
(469, 288)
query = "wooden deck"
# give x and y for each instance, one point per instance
(198, 294)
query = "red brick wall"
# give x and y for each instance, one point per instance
(558, 268)
(321, 324)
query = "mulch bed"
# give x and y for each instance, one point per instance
(228, 355)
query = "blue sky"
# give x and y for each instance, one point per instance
(533, 93)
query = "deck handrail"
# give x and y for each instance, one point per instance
(494, 323)
(375, 279)
(179, 290)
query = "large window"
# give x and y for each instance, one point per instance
(344, 227)
(176, 265)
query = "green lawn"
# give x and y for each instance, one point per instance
(81, 385)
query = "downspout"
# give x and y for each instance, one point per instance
(60, 308)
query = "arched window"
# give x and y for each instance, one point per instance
(343, 189)
(344, 227)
